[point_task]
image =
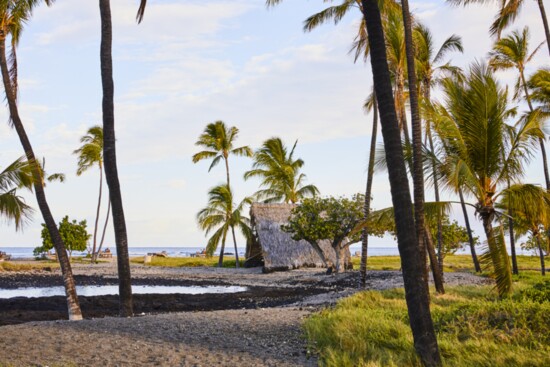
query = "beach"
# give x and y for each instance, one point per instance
(258, 327)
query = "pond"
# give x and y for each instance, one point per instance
(104, 290)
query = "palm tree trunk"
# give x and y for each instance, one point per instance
(512, 240)
(235, 244)
(220, 258)
(104, 228)
(469, 230)
(227, 172)
(416, 290)
(545, 22)
(368, 191)
(541, 255)
(68, 280)
(109, 156)
(435, 265)
(437, 200)
(94, 256)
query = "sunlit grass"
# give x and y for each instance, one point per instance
(28, 266)
(228, 261)
(474, 328)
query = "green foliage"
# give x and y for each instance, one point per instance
(538, 292)
(531, 244)
(331, 218)
(454, 236)
(176, 262)
(74, 236)
(12, 206)
(473, 329)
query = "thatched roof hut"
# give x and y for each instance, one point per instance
(275, 249)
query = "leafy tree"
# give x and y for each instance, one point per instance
(110, 162)
(454, 236)
(89, 155)
(13, 16)
(339, 220)
(220, 216)
(280, 173)
(12, 206)
(74, 235)
(532, 243)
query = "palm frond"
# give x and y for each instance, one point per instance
(494, 258)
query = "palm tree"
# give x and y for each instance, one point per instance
(12, 206)
(508, 12)
(109, 156)
(426, 60)
(221, 215)
(90, 154)
(280, 173)
(218, 139)
(14, 14)
(530, 206)
(539, 84)
(483, 153)
(416, 292)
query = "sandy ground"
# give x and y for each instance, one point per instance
(238, 337)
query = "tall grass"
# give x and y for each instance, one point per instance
(229, 261)
(473, 327)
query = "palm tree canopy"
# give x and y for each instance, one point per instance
(539, 84)
(221, 214)
(218, 140)
(280, 173)
(91, 151)
(12, 206)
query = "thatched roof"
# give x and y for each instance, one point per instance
(278, 249)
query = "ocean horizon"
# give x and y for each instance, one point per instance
(23, 252)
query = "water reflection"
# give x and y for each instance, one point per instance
(104, 290)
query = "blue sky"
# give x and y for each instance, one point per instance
(194, 62)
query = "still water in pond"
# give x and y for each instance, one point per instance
(104, 290)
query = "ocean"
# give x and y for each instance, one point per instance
(184, 251)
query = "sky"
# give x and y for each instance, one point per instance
(194, 62)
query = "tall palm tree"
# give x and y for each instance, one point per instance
(12, 206)
(90, 154)
(513, 52)
(13, 15)
(508, 12)
(428, 72)
(109, 156)
(416, 293)
(222, 215)
(483, 153)
(218, 139)
(280, 173)
(530, 206)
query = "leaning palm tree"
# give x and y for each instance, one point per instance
(13, 15)
(110, 163)
(220, 216)
(508, 12)
(89, 155)
(530, 206)
(280, 173)
(12, 206)
(483, 153)
(218, 140)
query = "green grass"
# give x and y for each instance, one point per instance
(473, 327)
(450, 263)
(228, 262)
(28, 266)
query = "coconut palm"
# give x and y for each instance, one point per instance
(416, 292)
(90, 154)
(483, 153)
(12, 206)
(280, 173)
(14, 14)
(530, 206)
(110, 164)
(220, 216)
(508, 12)
(218, 140)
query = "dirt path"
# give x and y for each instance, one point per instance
(264, 337)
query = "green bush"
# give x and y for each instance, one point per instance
(539, 292)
